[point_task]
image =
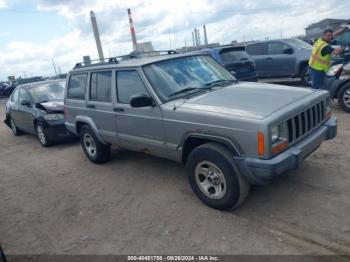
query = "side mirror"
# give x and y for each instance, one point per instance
(288, 51)
(141, 100)
(25, 103)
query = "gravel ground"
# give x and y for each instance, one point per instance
(54, 201)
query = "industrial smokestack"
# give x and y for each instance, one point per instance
(97, 36)
(205, 35)
(199, 38)
(132, 30)
(196, 36)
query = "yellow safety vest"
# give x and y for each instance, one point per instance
(317, 61)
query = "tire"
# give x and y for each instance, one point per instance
(344, 98)
(94, 150)
(42, 136)
(215, 178)
(305, 76)
(15, 130)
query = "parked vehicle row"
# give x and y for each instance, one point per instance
(186, 108)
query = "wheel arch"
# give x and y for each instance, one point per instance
(194, 140)
(83, 120)
(337, 92)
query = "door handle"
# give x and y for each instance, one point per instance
(90, 106)
(269, 58)
(118, 109)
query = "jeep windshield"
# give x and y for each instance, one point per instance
(184, 76)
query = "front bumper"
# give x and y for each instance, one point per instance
(261, 171)
(57, 131)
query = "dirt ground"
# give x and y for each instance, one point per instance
(54, 201)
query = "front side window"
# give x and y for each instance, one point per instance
(76, 86)
(276, 48)
(171, 79)
(23, 95)
(129, 83)
(100, 86)
(15, 96)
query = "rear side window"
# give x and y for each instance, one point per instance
(129, 83)
(276, 48)
(76, 86)
(24, 96)
(229, 55)
(100, 86)
(256, 49)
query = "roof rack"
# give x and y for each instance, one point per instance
(116, 59)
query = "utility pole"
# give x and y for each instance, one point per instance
(53, 64)
(97, 36)
(169, 38)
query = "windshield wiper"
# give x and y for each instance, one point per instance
(185, 90)
(220, 81)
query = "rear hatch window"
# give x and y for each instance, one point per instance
(233, 55)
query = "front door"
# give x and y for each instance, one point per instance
(279, 63)
(139, 129)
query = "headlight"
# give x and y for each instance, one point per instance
(52, 117)
(279, 134)
(334, 70)
(275, 134)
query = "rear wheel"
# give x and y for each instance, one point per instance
(214, 177)
(15, 130)
(95, 151)
(344, 98)
(305, 76)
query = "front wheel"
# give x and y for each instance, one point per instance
(344, 98)
(95, 151)
(305, 76)
(214, 177)
(42, 136)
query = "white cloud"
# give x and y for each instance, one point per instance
(226, 20)
(3, 4)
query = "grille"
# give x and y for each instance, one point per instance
(305, 122)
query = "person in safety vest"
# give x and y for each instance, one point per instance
(320, 58)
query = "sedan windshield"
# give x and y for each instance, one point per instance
(175, 78)
(48, 92)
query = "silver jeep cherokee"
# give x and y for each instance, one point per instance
(189, 109)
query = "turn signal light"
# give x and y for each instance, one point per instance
(278, 148)
(261, 143)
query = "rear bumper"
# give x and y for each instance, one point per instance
(261, 171)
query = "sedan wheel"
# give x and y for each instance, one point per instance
(14, 128)
(43, 139)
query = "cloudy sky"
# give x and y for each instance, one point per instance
(32, 32)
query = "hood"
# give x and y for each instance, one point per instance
(252, 100)
(51, 106)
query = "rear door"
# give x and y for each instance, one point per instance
(139, 129)
(14, 105)
(279, 63)
(99, 104)
(258, 52)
